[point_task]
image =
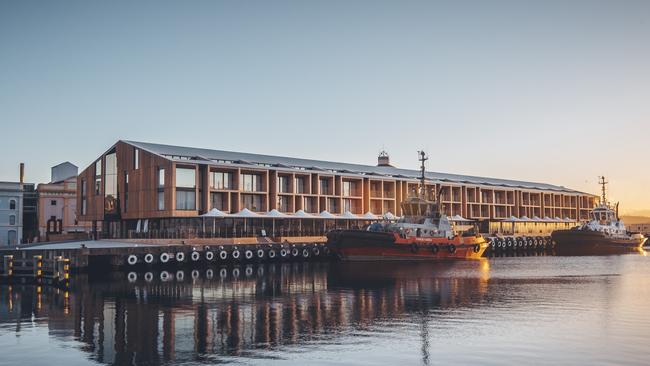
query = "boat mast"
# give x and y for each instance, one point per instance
(602, 182)
(422, 159)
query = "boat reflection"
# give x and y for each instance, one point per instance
(215, 314)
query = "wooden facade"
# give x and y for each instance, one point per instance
(289, 189)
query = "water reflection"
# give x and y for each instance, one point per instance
(156, 317)
(286, 311)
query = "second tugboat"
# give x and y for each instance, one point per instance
(422, 233)
(605, 233)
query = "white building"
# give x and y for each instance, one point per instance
(11, 213)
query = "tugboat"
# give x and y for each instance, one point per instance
(422, 233)
(603, 234)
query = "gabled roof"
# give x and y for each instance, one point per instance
(231, 157)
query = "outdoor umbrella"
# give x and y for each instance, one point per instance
(275, 214)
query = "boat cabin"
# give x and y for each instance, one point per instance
(603, 215)
(418, 207)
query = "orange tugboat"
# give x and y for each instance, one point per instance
(422, 233)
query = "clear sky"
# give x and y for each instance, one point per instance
(550, 91)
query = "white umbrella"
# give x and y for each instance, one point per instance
(326, 215)
(458, 218)
(369, 215)
(348, 216)
(214, 213)
(389, 216)
(245, 214)
(275, 214)
(301, 214)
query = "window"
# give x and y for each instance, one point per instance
(12, 220)
(126, 191)
(300, 185)
(220, 180)
(161, 177)
(136, 159)
(98, 177)
(251, 182)
(185, 200)
(161, 189)
(161, 200)
(283, 203)
(53, 203)
(349, 188)
(110, 183)
(218, 201)
(11, 237)
(185, 177)
(12, 204)
(283, 184)
(309, 204)
(83, 196)
(252, 202)
(325, 186)
(332, 205)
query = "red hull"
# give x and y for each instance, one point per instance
(370, 246)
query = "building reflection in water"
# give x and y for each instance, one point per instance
(218, 313)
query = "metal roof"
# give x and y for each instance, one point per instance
(200, 155)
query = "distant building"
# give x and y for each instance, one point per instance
(639, 228)
(11, 213)
(57, 207)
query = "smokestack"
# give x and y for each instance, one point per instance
(22, 173)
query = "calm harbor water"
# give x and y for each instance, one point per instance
(515, 310)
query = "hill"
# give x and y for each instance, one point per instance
(635, 219)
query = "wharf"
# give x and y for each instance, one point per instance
(39, 260)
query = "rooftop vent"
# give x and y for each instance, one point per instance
(383, 159)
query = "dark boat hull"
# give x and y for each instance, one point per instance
(583, 242)
(357, 245)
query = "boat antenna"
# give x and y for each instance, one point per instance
(423, 158)
(602, 182)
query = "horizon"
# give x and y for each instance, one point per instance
(551, 93)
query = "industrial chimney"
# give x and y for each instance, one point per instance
(383, 159)
(22, 174)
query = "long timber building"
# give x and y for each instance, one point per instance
(137, 187)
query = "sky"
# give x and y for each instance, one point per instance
(546, 91)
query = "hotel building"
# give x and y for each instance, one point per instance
(168, 186)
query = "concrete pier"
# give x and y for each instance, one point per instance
(45, 260)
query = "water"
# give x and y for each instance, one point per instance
(540, 310)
